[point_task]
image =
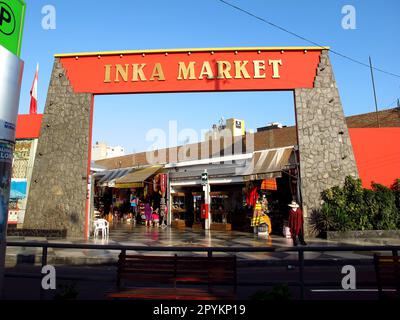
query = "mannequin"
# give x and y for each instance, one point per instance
(296, 223)
(255, 221)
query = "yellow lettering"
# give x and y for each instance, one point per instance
(240, 69)
(275, 68)
(223, 70)
(120, 71)
(137, 72)
(107, 73)
(206, 71)
(157, 72)
(186, 72)
(258, 66)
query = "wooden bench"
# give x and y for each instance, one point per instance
(387, 270)
(176, 277)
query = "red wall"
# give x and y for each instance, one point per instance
(28, 126)
(377, 153)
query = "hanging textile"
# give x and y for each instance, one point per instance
(252, 196)
(269, 184)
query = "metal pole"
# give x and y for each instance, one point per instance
(169, 201)
(10, 86)
(206, 189)
(373, 86)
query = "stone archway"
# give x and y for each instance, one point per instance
(58, 195)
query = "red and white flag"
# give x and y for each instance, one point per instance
(33, 106)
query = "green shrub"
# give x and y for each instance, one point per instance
(352, 207)
(371, 208)
(396, 190)
(387, 213)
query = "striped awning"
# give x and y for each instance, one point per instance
(136, 178)
(268, 164)
(108, 177)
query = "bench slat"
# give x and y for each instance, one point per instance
(183, 270)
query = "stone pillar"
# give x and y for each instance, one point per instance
(326, 153)
(58, 189)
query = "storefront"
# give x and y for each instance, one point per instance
(236, 182)
(273, 177)
(105, 196)
(120, 194)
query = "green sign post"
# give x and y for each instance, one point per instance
(12, 14)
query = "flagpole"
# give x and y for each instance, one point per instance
(33, 93)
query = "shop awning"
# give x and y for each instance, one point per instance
(267, 164)
(108, 177)
(136, 178)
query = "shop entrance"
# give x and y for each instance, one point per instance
(227, 204)
(62, 169)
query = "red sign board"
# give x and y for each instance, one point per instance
(204, 210)
(189, 71)
(163, 183)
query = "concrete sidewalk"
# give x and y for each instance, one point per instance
(124, 234)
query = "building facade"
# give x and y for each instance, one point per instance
(101, 150)
(27, 135)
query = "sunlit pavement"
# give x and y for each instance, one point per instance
(94, 279)
(126, 234)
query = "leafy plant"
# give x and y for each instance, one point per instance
(387, 213)
(396, 189)
(352, 207)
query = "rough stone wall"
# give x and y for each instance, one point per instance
(326, 153)
(57, 195)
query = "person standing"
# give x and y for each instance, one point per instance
(156, 218)
(148, 212)
(296, 223)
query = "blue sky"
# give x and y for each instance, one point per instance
(152, 24)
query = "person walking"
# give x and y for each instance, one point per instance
(156, 218)
(296, 223)
(148, 212)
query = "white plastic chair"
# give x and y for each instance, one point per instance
(101, 225)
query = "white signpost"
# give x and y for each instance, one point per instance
(12, 14)
(207, 200)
